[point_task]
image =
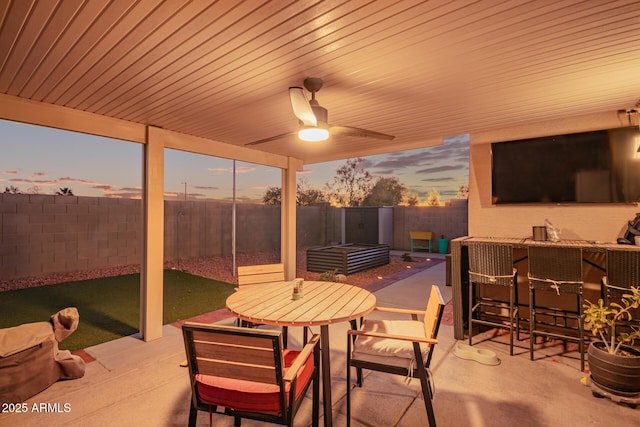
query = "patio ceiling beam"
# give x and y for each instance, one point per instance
(59, 117)
(575, 124)
(56, 116)
(194, 144)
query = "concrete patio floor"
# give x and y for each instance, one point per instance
(133, 383)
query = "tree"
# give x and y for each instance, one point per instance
(351, 184)
(12, 189)
(273, 196)
(305, 195)
(412, 200)
(434, 198)
(463, 192)
(64, 191)
(385, 192)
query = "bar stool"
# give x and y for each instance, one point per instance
(623, 271)
(491, 264)
(556, 271)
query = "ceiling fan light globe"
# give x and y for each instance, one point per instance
(313, 134)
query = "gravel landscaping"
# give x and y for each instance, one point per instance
(216, 267)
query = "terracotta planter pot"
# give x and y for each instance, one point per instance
(616, 372)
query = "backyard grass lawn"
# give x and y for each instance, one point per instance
(109, 307)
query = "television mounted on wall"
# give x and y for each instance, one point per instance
(588, 167)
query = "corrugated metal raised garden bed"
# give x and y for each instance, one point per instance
(348, 258)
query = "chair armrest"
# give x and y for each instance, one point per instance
(292, 372)
(398, 310)
(395, 337)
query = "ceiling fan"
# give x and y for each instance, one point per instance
(313, 118)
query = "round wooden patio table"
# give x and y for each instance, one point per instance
(321, 304)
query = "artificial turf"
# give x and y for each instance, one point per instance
(109, 307)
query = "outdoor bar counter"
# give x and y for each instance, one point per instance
(593, 269)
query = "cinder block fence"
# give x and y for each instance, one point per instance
(46, 234)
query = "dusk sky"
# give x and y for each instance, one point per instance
(39, 159)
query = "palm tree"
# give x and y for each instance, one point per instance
(12, 189)
(64, 191)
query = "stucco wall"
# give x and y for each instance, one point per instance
(598, 222)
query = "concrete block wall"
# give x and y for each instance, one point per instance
(318, 225)
(201, 229)
(45, 234)
(196, 229)
(310, 225)
(450, 220)
(258, 227)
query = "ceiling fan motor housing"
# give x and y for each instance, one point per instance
(313, 84)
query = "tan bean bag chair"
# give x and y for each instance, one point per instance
(30, 360)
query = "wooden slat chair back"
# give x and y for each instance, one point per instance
(256, 274)
(224, 360)
(251, 275)
(399, 347)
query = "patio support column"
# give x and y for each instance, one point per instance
(288, 218)
(151, 275)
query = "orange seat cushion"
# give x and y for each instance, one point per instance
(251, 396)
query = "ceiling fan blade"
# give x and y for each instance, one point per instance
(272, 138)
(301, 107)
(363, 133)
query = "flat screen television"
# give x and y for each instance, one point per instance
(588, 167)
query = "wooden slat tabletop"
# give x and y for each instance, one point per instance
(322, 303)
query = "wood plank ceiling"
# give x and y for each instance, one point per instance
(419, 70)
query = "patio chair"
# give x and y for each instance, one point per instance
(491, 268)
(252, 275)
(556, 271)
(622, 272)
(257, 274)
(246, 373)
(399, 347)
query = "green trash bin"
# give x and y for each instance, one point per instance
(443, 245)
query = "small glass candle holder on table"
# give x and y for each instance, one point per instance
(297, 288)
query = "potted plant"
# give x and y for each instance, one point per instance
(613, 362)
(443, 244)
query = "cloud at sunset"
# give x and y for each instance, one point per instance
(239, 169)
(443, 168)
(108, 190)
(97, 169)
(205, 187)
